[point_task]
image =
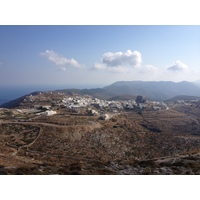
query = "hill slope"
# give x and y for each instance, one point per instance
(182, 97)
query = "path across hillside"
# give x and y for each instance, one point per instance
(92, 124)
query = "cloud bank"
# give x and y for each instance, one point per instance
(119, 61)
(62, 62)
(130, 64)
(127, 64)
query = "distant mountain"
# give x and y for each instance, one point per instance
(99, 93)
(124, 90)
(123, 97)
(197, 83)
(160, 91)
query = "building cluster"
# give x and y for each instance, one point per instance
(46, 103)
(88, 101)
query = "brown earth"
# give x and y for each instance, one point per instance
(151, 142)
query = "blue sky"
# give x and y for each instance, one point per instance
(95, 56)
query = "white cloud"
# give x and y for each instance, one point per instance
(129, 58)
(117, 69)
(119, 61)
(178, 66)
(60, 61)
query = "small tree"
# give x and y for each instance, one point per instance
(140, 99)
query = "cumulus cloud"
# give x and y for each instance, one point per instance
(129, 58)
(119, 61)
(178, 66)
(60, 61)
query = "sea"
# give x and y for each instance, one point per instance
(9, 93)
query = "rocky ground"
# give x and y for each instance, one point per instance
(73, 141)
(151, 142)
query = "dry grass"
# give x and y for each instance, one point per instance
(126, 144)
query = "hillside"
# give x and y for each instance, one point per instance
(128, 143)
(59, 133)
(122, 97)
(182, 98)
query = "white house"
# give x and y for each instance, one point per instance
(48, 113)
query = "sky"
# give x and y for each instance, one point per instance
(91, 56)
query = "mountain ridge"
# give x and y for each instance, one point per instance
(155, 90)
(152, 90)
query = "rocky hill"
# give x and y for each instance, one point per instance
(129, 143)
(147, 138)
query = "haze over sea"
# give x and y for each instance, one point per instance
(8, 93)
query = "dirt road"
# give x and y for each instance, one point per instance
(92, 124)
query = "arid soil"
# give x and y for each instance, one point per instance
(148, 142)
